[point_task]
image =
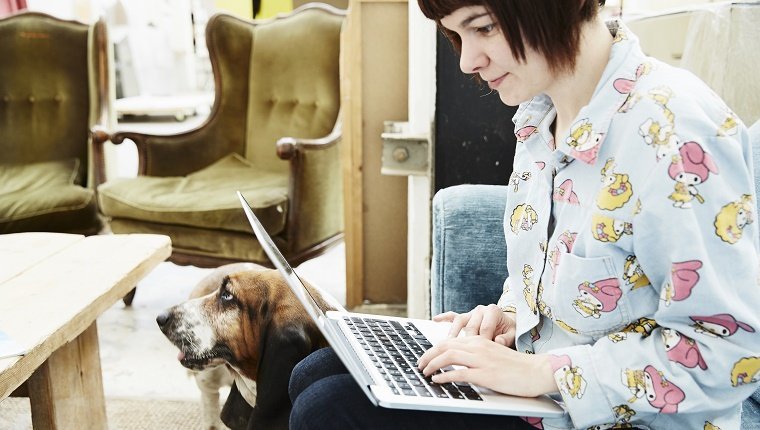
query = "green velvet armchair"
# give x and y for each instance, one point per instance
(273, 133)
(53, 91)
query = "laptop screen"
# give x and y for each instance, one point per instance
(274, 254)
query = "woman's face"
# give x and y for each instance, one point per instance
(485, 51)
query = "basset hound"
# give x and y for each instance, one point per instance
(243, 323)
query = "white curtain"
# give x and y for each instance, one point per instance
(723, 48)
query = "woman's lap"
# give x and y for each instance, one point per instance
(325, 396)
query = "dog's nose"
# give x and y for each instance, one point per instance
(163, 318)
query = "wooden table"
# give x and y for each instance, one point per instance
(52, 288)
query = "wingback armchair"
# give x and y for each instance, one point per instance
(272, 133)
(53, 90)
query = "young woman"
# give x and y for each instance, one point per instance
(633, 252)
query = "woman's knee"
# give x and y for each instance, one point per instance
(319, 405)
(319, 364)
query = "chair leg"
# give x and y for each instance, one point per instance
(129, 297)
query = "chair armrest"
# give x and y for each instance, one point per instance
(469, 263)
(315, 188)
(287, 147)
(98, 137)
(186, 152)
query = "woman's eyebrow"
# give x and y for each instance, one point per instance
(465, 22)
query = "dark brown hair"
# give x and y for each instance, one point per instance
(551, 27)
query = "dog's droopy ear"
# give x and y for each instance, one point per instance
(283, 348)
(236, 411)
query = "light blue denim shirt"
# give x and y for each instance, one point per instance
(633, 250)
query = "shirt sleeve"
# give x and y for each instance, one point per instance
(698, 245)
(507, 301)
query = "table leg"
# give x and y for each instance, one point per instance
(66, 391)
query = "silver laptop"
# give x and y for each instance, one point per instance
(381, 353)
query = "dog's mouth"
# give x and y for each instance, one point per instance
(193, 361)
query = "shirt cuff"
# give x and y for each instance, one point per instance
(579, 386)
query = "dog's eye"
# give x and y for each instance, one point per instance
(226, 296)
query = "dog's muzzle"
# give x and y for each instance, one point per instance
(194, 353)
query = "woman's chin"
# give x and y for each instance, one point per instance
(511, 99)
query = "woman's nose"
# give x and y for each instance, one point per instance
(471, 59)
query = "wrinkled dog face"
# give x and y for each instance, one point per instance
(218, 327)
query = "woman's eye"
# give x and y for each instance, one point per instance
(486, 28)
(226, 296)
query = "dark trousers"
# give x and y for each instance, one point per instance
(325, 396)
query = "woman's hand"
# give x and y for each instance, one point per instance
(489, 322)
(491, 365)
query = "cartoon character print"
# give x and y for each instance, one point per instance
(620, 35)
(524, 217)
(563, 245)
(542, 306)
(690, 168)
(616, 189)
(633, 274)
(535, 422)
(584, 143)
(594, 299)
(661, 393)
(682, 349)
(623, 416)
(729, 126)
(525, 132)
(710, 426)
(535, 334)
(719, 325)
(565, 326)
(637, 207)
(651, 383)
(606, 229)
(569, 378)
(683, 279)
(565, 193)
(516, 177)
(661, 137)
(627, 86)
(528, 291)
(634, 380)
(733, 217)
(623, 413)
(745, 371)
(618, 336)
(643, 326)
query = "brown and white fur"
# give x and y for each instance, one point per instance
(243, 323)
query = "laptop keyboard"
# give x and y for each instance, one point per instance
(394, 349)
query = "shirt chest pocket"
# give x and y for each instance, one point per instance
(588, 297)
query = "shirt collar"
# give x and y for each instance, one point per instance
(612, 94)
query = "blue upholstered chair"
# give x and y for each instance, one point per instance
(470, 257)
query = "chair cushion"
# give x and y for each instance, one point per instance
(45, 196)
(204, 199)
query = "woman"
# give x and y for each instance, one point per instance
(632, 295)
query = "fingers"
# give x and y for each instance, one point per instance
(472, 328)
(447, 358)
(459, 321)
(492, 317)
(506, 339)
(445, 317)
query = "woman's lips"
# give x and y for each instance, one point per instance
(496, 82)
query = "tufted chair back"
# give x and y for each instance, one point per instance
(53, 91)
(286, 98)
(273, 134)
